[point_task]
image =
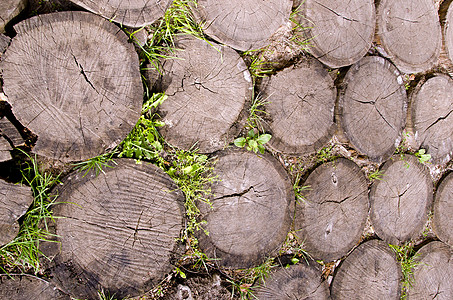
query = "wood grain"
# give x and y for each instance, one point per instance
(443, 210)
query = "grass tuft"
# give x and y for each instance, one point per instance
(406, 256)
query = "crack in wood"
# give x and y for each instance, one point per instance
(438, 120)
(82, 71)
(339, 15)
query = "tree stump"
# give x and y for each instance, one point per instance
(432, 117)
(8, 10)
(301, 281)
(133, 14)
(251, 212)
(443, 210)
(339, 33)
(400, 202)
(409, 31)
(127, 220)
(373, 107)
(433, 275)
(5, 149)
(300, 105)
(14, 203)
(208, 86)
(332, 217)
(73, 79)
(371, 271)
(242, 25)
(28, 287)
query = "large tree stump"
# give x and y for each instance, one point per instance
(332, 217)
(135, 13)
(118, 230)
(73, 80)
(432, 117)
(208, 87)
(300, 105)
(14, 203)
(339, 32)
(373, 107)
(251, 212)
(302, 281)
(409, 31)
(400, 202)
(28, 287)
(443, 210)
(8, 10)
(371, 271)
(242, 25)
(433, 274)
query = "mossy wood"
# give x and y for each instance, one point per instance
(339, 32)
(400, 202)
(8, 10)
(131, 13)
(300, 106)
(208, 87)
(242, 25)
(443, 210)
(27, 287)
(433, 273)
(118, 230)
(332, 216)
(373, 106)
(63, 84)
(432, 117)
(371, 271)
(8, 130)
(251, 212)
(5, 149)
(409, 31)
(14, 202)
(301, 281)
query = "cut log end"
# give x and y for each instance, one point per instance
(443, 210)
(28, 287)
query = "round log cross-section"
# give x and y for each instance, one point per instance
(340, 32)
(28, 287)
(371, 271)
(117, 231)
(401, 200)
(300, 104)
(208, 88)
(251, 210)
(332, 217)
(73, 80)
(432, 117)
(373, 106)
(410, 33)
(443, 210)
(242, 25)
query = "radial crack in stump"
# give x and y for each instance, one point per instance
(373, 107)
(251, 210)
(28, 287)
(242, 25)
(8, 10)
(432, 117)
(371, 271)
(443, 210)
(73, 79)
(339, 32)
(409, 31)
(208, 87)
(333, 214)
(117, 231)
(400, 202)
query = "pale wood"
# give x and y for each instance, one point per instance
(8, 130)
(443, 210)
(8, 10)
(5, 148)
(27, 287)
(448, 32)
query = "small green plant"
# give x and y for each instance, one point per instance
(422, 156)
(325, 154)
(299, 190)
(407, 258)
(255, 118)
(96, 163)
(253, 142)
(103, 295)
(376, 175)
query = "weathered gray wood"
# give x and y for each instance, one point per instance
(132, 13)
(73, 79)
(448, 32)
(300, 106)
(332, 217)
(8, 10)
(4, 42)
(5, 149)
(433, 274)
(432, 117)
(242, 25)
(118, 230)
(208, 86)
(371, 271)
(27, 287)
(14, 202)
(409, 31)
(373, 107)
(301, 281)
(8, 130)
(339, 32)
(251, 212)
(443, 211)
(400, 202)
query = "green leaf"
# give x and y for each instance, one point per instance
(264, 138)
(421, 152)
(261, 149)
(294, 260)
(251, 133)
(254, 145)
(240, 142)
